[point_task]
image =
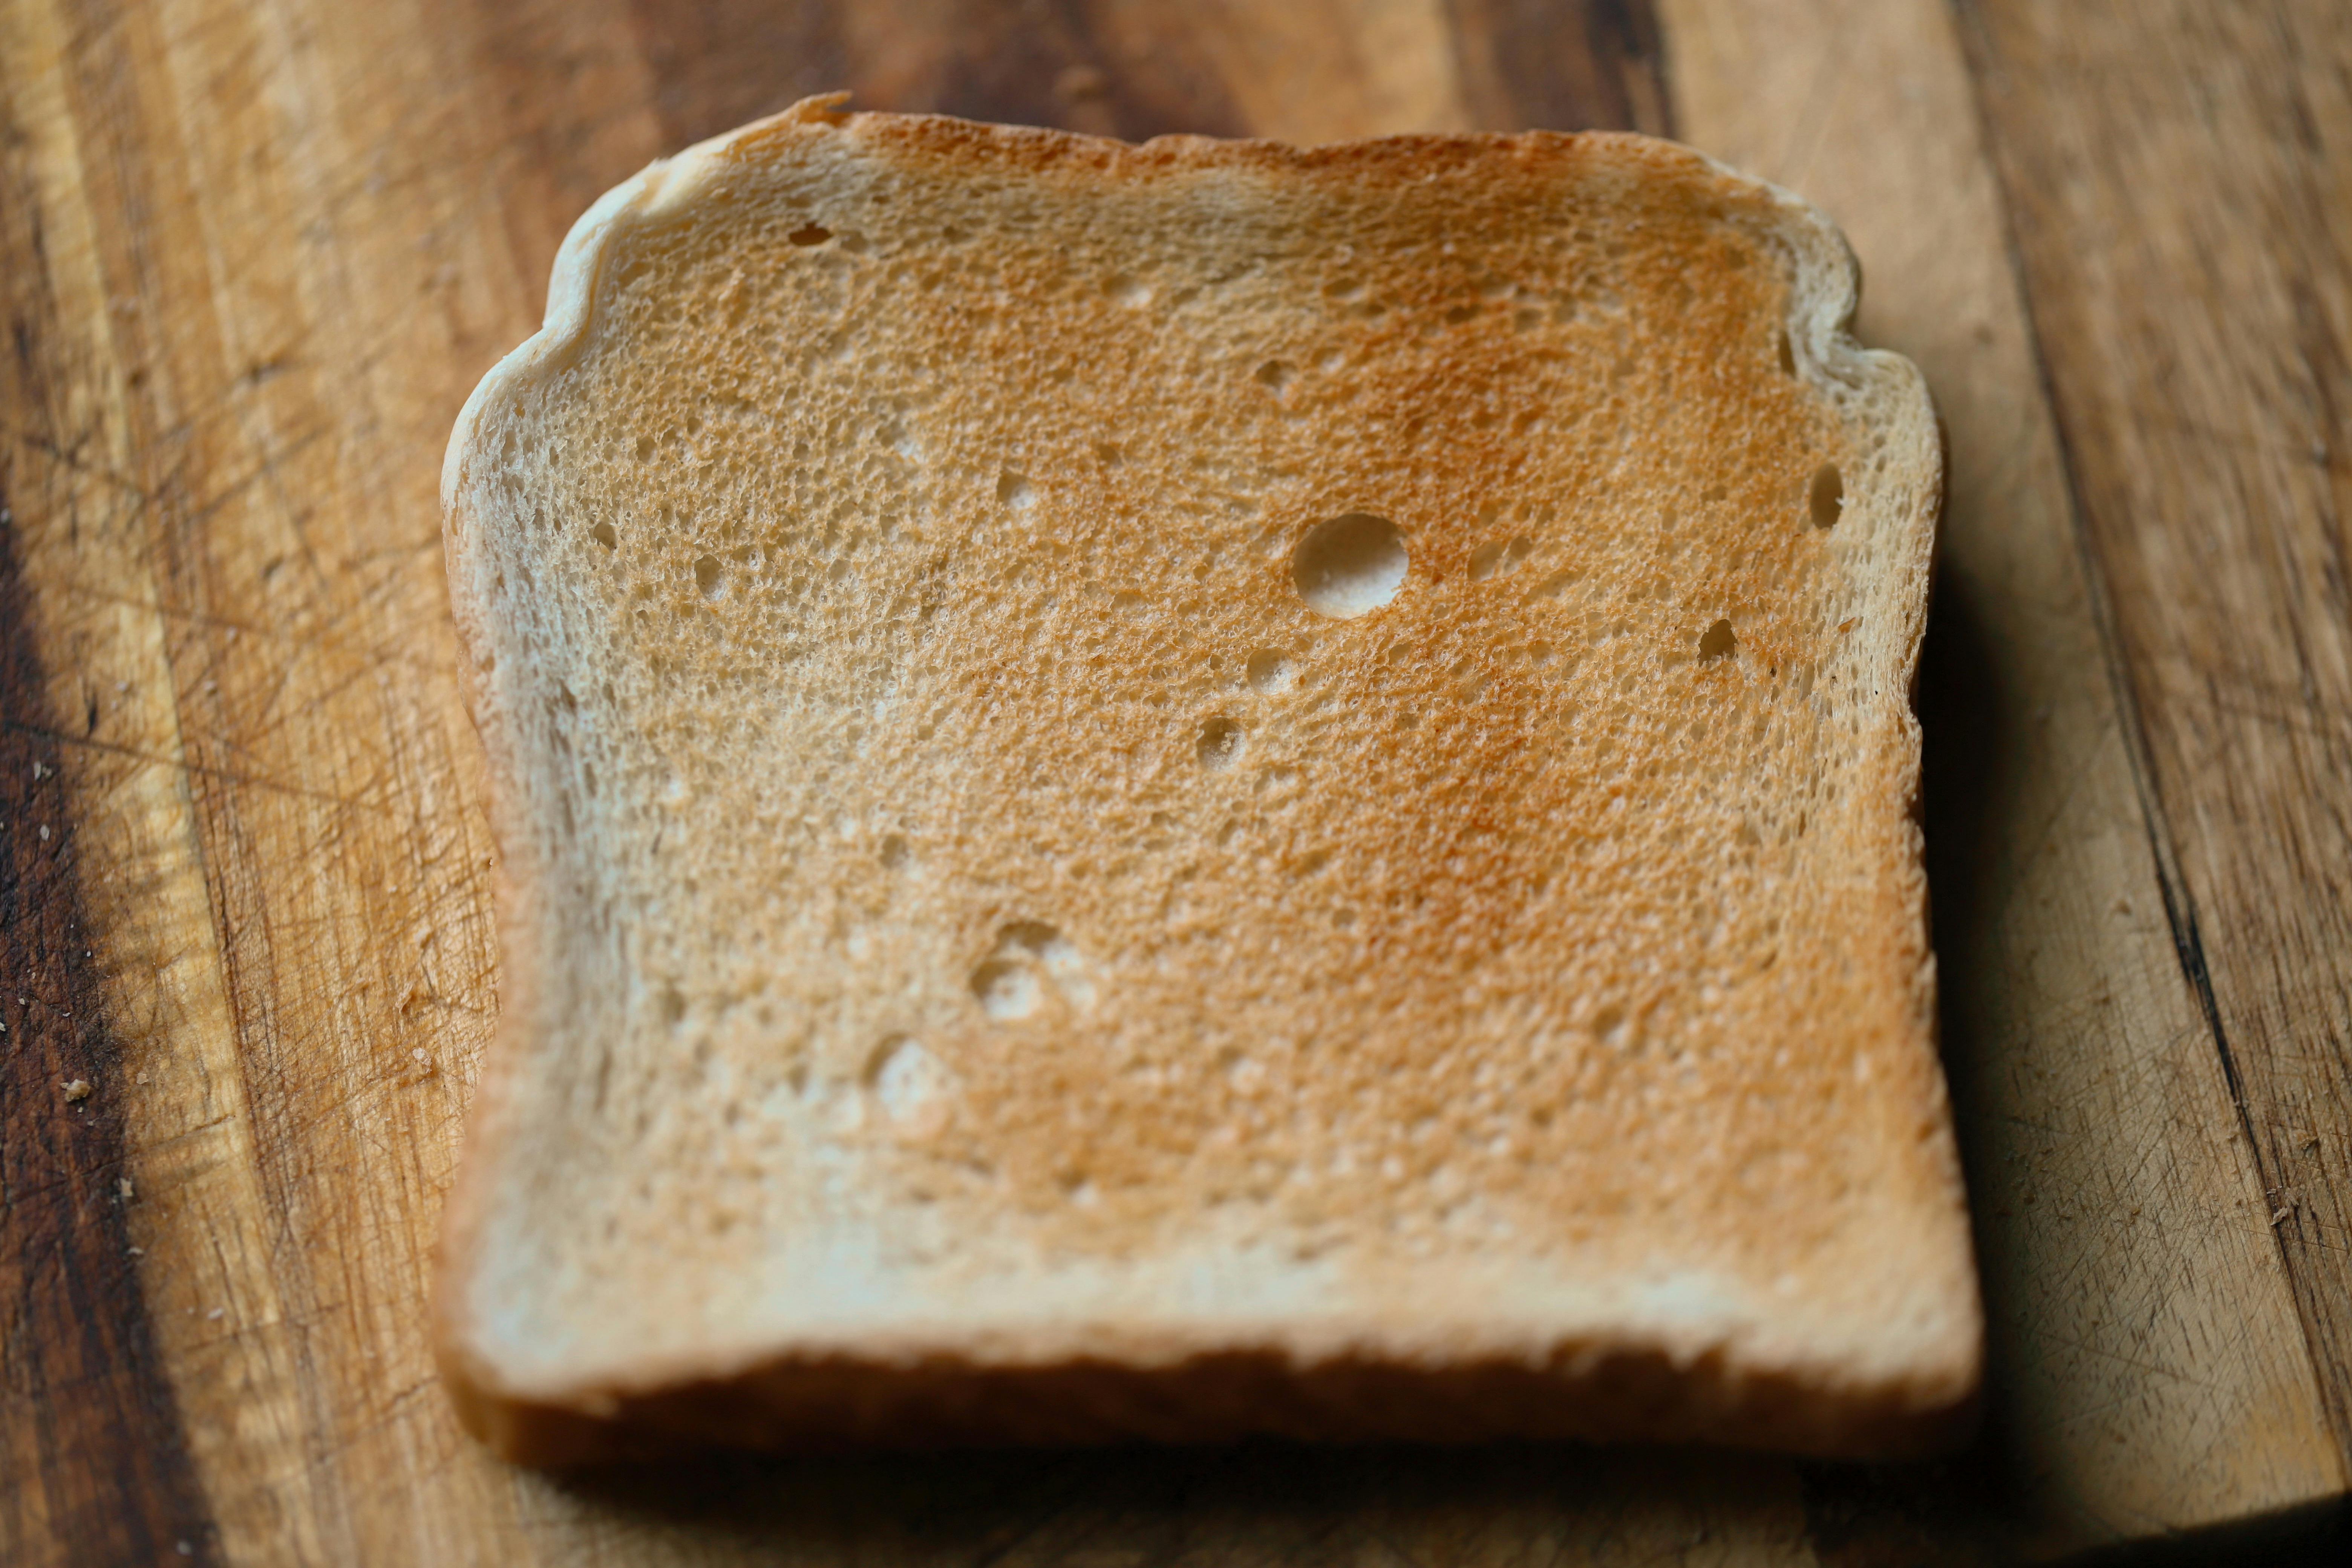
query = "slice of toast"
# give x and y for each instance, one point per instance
(1203, 789)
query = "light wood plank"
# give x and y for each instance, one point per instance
(2179, 176)
(2153, 1374)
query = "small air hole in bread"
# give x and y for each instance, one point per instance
(1826, 496)
(1350, 565)
(908, 1085)
(1220, 742)
(1006, 991)
(1269, 671)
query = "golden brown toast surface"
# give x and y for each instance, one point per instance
(1109, 757)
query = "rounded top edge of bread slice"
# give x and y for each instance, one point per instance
(1828, 279)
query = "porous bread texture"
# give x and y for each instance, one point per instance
(986, 957)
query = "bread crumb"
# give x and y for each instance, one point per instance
(78, 1091)
(122, 1188)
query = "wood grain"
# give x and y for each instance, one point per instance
(89, 1439)
(2178, 176)
(253, 256)
(1307, 71)
(2152, 1378)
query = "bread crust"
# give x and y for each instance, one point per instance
(1591, 1359)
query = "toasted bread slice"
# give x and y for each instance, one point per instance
(1196, 789)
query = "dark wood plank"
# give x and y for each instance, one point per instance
(1538, 65)
(1115, 71)
(2179, 176)
(1137, 71)
(93, 1464)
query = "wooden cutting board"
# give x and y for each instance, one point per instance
(253, 256)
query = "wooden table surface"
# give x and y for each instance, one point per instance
(254, 255)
